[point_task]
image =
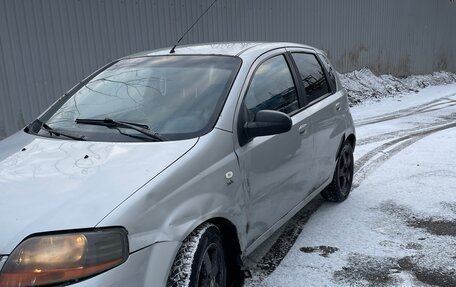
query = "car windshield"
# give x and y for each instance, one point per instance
(176, 97)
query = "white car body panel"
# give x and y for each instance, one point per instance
(51, 186)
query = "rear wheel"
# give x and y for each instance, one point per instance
(200, 261)
(339, 189)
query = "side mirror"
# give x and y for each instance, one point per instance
(267, 123)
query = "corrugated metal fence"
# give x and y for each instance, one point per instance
(46, 46)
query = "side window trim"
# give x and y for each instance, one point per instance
(241, 109)
(290, 63)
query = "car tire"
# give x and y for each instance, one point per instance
(340, 187)
(200, 260)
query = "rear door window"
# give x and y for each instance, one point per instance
(312, 76)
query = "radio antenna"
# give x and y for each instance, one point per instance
(188, 30)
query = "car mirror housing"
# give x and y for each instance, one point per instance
(268, 122)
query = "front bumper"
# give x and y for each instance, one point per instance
(146, 267)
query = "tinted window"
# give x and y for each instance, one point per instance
(312, 76)
(272, 88)
(177, 96)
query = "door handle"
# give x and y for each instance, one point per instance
(337, 106)
(302, 129)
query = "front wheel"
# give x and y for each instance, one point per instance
(339, 189)
(200, 262)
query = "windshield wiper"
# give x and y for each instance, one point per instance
(58, 133)
(110, 123)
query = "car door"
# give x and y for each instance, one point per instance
(327, 108)
(276, 169)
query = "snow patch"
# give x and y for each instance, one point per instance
(363, 85)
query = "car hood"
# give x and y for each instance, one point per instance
(48, 184)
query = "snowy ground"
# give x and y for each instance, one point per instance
(398, 227)
(363, 85)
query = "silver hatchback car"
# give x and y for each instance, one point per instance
(169, 169)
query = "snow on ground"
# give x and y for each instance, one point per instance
(398, 226)
(363, 85)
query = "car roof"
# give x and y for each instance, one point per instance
(222, 48)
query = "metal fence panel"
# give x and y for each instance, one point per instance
(46, 46)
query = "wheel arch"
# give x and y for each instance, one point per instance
(351, 139)
(232, 248)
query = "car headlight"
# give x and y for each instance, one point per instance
(53, 259)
